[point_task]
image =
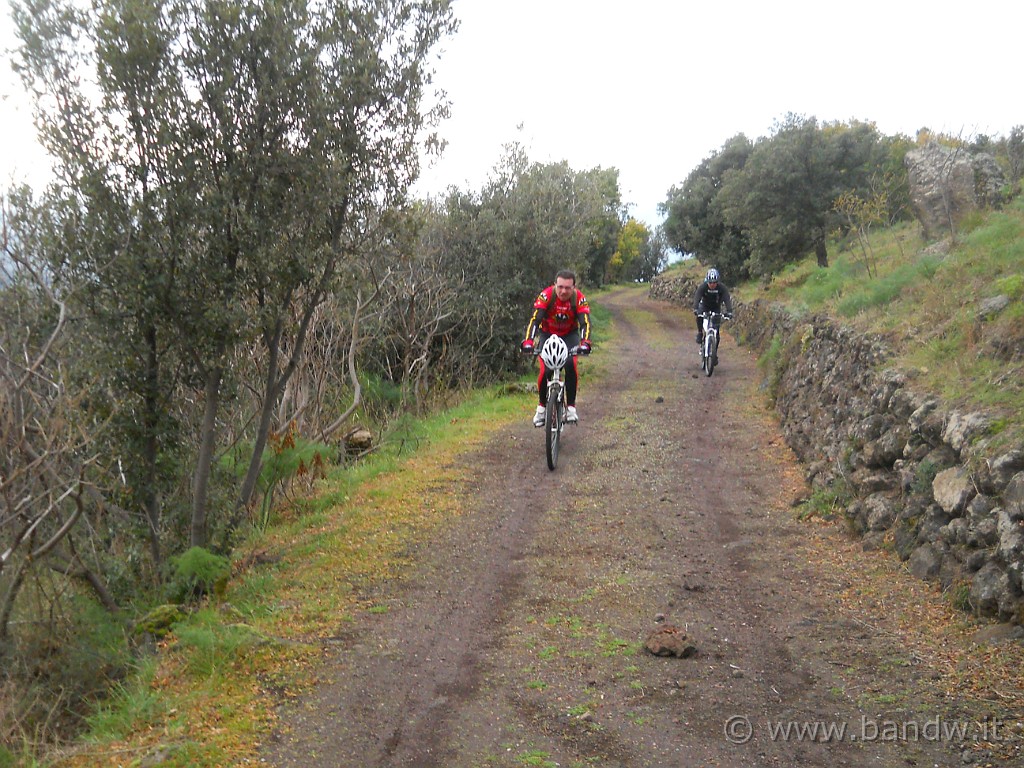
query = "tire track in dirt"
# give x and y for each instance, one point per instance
(514, 640)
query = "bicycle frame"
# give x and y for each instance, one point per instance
(555, 417)
(709, 351)
(556, 387)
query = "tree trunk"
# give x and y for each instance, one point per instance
(204, 462)
(821, 251)
(17, 580)
(275, 384)
(270, 392)
(150, 450)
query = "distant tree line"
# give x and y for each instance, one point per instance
(752, 207)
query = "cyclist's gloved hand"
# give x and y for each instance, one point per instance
(526, 345)
(584, 347)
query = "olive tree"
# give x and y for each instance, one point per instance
(227, 164)
(784, 196)
(695, 221)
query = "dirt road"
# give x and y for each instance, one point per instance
(518, 639)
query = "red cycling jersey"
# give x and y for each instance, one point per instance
(560, 317)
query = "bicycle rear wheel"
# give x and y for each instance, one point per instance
(553, 427)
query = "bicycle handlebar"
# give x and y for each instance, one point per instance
(535, 351)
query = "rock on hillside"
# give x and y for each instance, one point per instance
(946, 184)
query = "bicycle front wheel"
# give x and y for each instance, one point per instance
(553, 428)
(710, 353)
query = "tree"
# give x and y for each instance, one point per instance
(1014, 149)
(695, 222)
(784, 197)
(553, 217)
(478, 263)
(653, 257)
(626, 261)
(227, 163)
(48, 451)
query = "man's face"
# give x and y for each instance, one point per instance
(564, 288)
(713, 285)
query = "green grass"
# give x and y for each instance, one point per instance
(614, 646)
(826, 503)
(536, 757)
(868, 700)
(211, 647)
(547, 653)
(131, 705)
(882, 292)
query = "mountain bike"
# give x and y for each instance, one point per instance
(555, 355)
(709, 349)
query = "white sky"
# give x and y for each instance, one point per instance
(652, 87)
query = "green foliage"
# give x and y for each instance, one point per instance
(695, 222)
(633, 239)
(886, 289)
(752, 208)
(490, 252)
(288, 456)
(160, 620)
(771, 365)
(210, 646)
(827, 502)
(1011, 285)
(600, 319)
(72, 659)
(222, 160)
(927, 306)
(381, 397)
(131, 705)
(959, 595)
(825, 285)
(197, 572)
(924, 476)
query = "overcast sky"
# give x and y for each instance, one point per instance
(652, 87)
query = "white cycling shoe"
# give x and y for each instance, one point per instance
(538, 417)
(571, 417)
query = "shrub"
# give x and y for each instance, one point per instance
(827, 502)
(924, 476)
(197, 572)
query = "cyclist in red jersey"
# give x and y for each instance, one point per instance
(560, 310)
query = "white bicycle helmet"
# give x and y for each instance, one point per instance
(712, 276)
(555, 353)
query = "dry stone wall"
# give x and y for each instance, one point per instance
(921, 477)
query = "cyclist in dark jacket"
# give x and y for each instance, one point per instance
(711, 296)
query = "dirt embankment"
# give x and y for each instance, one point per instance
(517, 639)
